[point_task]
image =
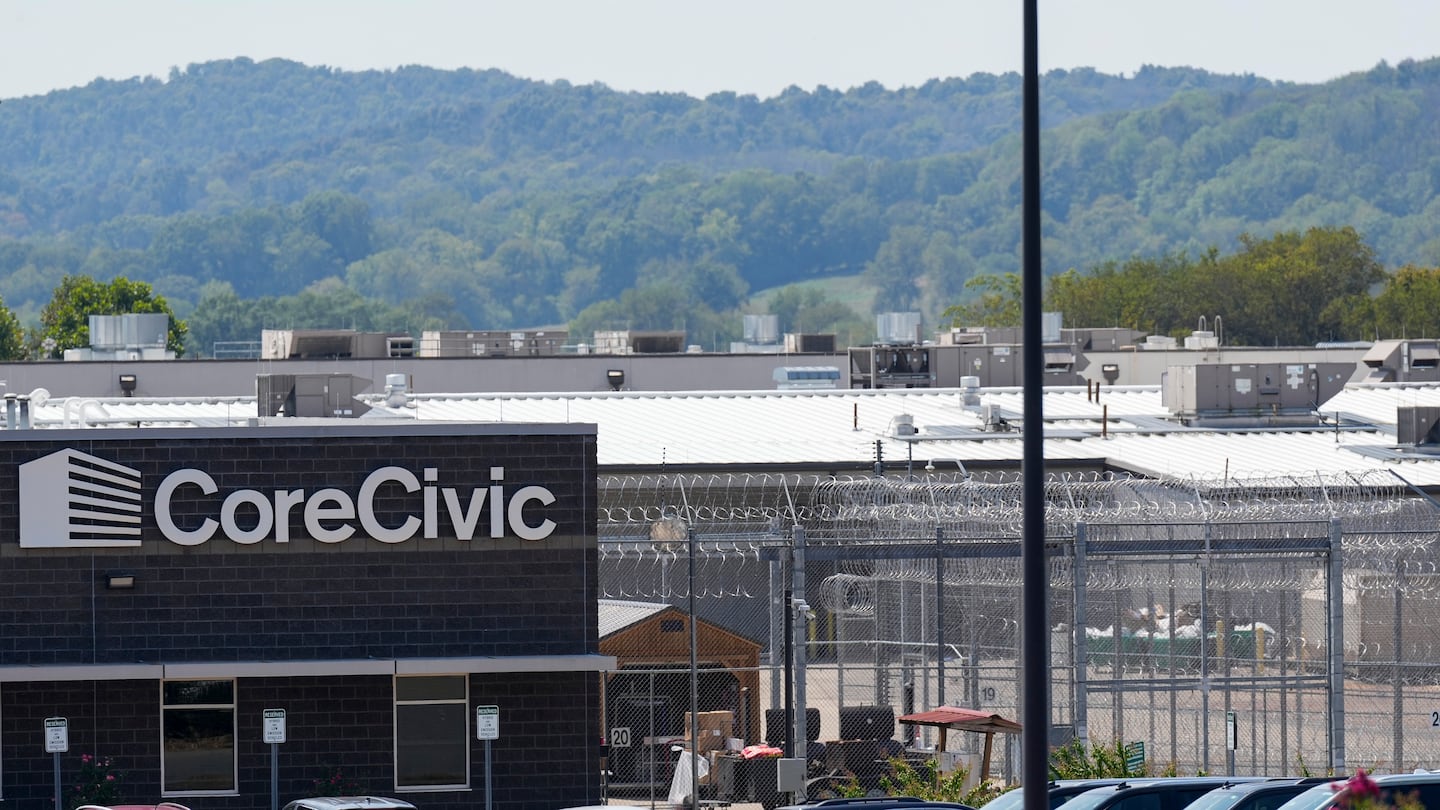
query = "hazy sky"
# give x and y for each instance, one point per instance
(698, 47)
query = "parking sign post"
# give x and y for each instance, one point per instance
(487, 728)
(1232, 741)
(57, 742)
(274, 724)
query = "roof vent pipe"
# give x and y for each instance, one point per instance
(397, 391)
(970, 391)
(9, 411)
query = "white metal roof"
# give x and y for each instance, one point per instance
(617, 614)
(1375, 403)
(1126, 427)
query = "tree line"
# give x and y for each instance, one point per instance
(282, 195)
(1292, 289)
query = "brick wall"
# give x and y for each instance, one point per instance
(303, 600)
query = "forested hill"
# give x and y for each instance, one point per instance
(477, 199)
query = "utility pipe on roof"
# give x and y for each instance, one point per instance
(82, 406)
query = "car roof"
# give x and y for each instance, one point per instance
(351, 803)
(1278, 783)
(1163, 782)
(1319, 797)
(878, 803)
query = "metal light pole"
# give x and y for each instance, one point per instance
(1035, 655)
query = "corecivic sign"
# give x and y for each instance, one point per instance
(102, 507)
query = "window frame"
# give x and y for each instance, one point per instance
(464, 742)
(232, 706)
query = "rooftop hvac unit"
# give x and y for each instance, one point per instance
(897, 327)
(798, 343)
(902, 425)
(1050, 323)
(792, 378)
(1201, 340)
(762, 329)
(310, 395)
(134, 331)
(1417, 425)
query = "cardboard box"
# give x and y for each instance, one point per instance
(715, 729)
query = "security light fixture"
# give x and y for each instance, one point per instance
(616, 378)
(127, 384)
(119, 582)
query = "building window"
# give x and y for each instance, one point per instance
(432, 745)
(198, 737)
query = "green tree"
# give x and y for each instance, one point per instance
(1408, 306)
(12, 335)
(996, 302)
(65, 321)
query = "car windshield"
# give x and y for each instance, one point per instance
(1217, 800)
(1313, 799)
(1010, 800)
(1090, 799)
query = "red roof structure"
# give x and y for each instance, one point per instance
(954, 717)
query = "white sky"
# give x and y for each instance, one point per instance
(699, 47)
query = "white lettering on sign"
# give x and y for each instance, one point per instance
(330, 514)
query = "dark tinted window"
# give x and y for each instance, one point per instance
(1140, 801)
(1271, 799)
(1427, 795)
(1180, 798)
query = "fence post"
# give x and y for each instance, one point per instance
(797, 579)
(940, 617)
(1335, 632)
(777, 632)
(1205, 654)
(1398, 705)
(1081, 662)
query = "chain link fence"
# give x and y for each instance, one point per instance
(1270, 626)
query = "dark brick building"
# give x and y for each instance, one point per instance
(161, 588)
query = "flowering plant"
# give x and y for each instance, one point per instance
(336, 784)
(98, 782)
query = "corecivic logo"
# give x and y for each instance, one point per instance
(99, 502)
(102, 507)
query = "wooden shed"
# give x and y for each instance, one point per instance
(651, 645)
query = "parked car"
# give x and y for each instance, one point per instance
(1267, 795)
(348, 803)
(1060, 790)
(878, 803)
(1168, 793)
(157, 806)
(1425, 785)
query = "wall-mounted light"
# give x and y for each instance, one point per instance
(616, 378)
(127, 384)
(119, 582)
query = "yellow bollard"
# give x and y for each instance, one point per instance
(1259, 646)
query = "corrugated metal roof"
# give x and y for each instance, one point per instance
(617, 614)
(822, 427)
(1375, 403)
